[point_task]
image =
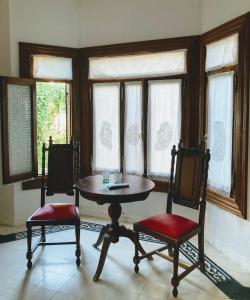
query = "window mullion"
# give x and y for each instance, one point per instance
(145, 120)
(122, 125)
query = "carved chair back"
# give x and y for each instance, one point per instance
(188, 178)
(62, 167)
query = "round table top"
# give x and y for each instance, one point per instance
(92, 188)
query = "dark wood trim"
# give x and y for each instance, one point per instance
(140, 47)
(122, 125)
(4, 82)
(27, 50)
(238, 203)
(123, 80)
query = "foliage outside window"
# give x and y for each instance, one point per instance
(52, 99)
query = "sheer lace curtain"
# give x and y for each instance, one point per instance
(164, 124)
(220, 126)
(106, 127)
(220, 102)
(222, 53)
(133, 143)
(134, 66)
(52, 67)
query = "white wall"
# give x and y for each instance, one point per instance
(6, 191)
(52, 22)
(4, 38)
(119, 21)
(217, 12)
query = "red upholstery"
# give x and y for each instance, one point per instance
(55, 211)
(171, 225)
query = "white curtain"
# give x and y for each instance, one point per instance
(52, 67)
(220, 127)
(222, 53)
(133, 144)
(106, 127)
(134, 66)
(164, 124)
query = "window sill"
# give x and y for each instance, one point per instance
(32, 184)
(226, 203)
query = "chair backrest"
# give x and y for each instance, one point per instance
(188, 184)
(63, 168)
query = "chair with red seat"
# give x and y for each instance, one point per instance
(63, 172)
(188, 188)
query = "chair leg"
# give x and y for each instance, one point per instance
(175, 280)
(78, 247)
(170, 250)
(201, 251)
(29, 250)
(136, 259)
(43, 233)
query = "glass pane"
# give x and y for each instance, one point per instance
(164, 124)
(106, 127)
(52, 67)
(19, 129)
(52, 115)
(220, 125)
(133, 144)
(222, 53)
(134, 66)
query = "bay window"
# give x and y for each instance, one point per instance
(225, 106)
(137, 105)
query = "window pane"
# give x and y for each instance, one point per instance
(19, 129)
(133, 144)
(106, 127)
(164, 124)
(222, 53)
(52, 115)
(52, 67)
(220, 125)
(134, 66)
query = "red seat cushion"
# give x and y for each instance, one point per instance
(171, 225)
(55, 211)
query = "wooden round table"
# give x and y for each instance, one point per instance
(93, 189)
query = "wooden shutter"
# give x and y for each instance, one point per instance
(19, 139)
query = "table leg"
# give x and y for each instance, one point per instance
(128, 233)
(101, 235)
(105, 246)
(110, 234)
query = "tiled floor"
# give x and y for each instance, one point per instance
(55, 276)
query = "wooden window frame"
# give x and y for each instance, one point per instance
(26, 52)
(190, 106)
(237, 203)
(4, 81)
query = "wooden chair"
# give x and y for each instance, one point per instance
(63, 172)
(187, 188)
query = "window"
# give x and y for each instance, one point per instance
(35, 108)
(125, 137)
(225, 107)
(220, 106)
(53, 89)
